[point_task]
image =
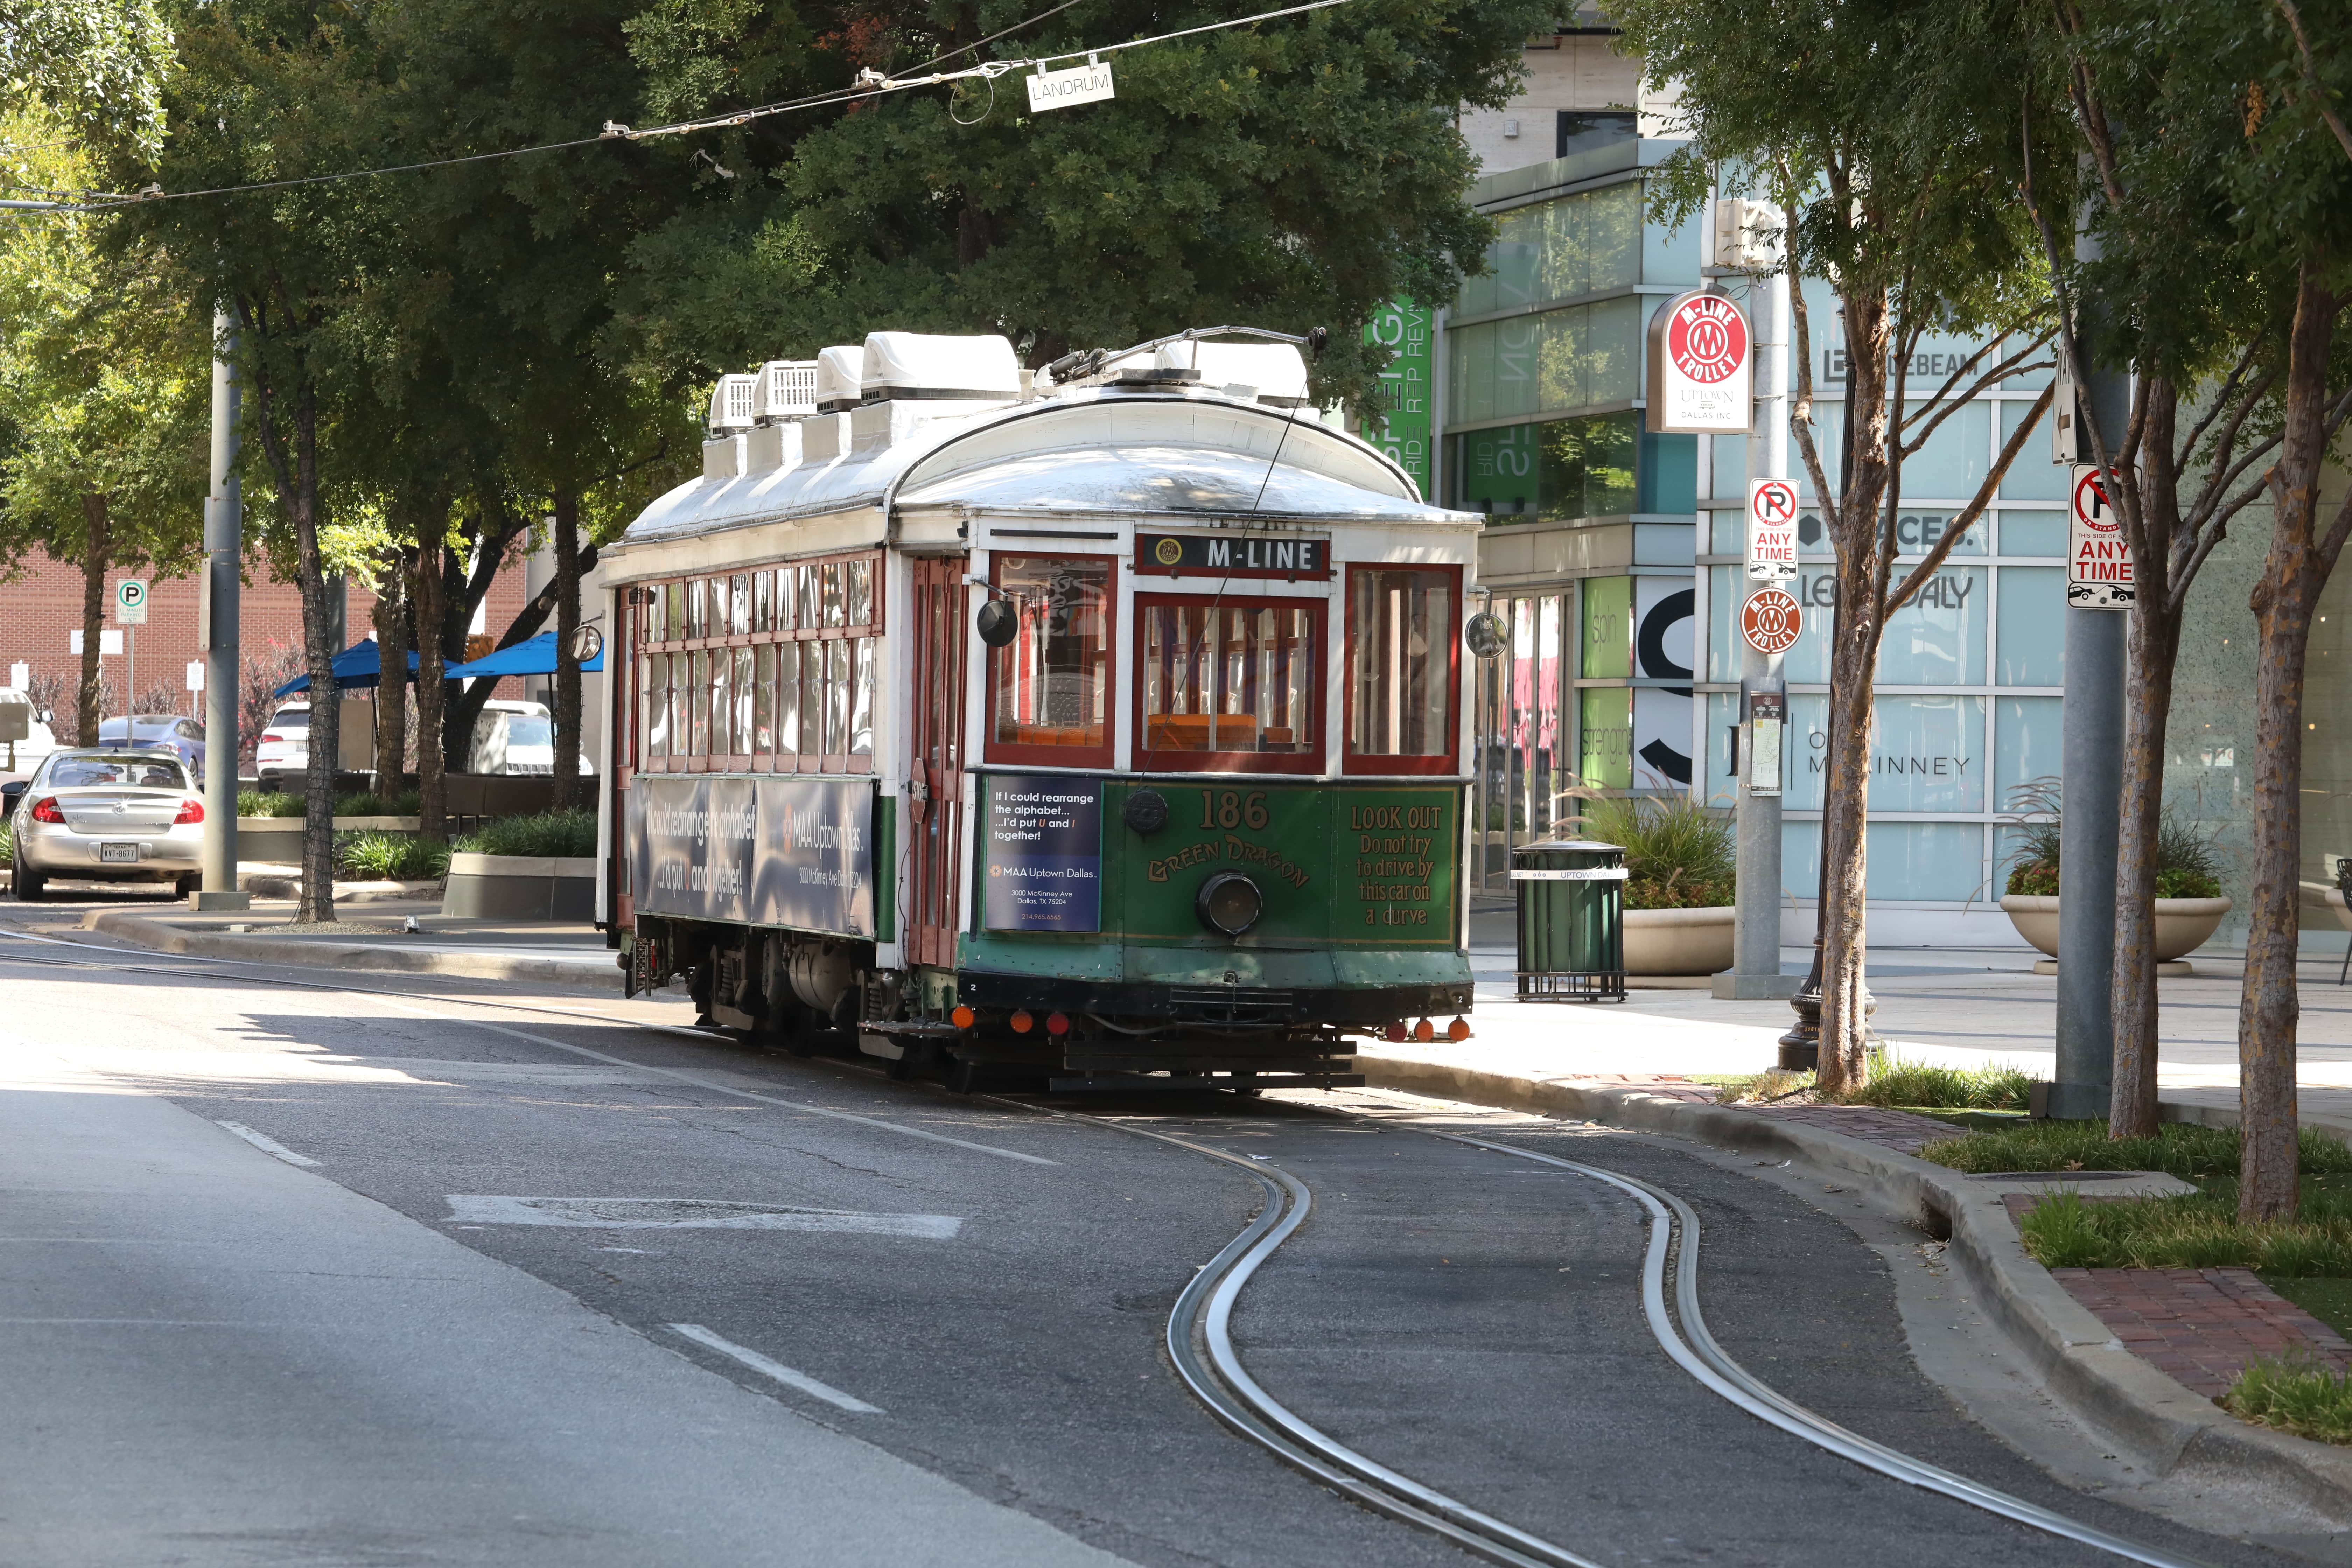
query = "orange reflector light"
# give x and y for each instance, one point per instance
(1458, 1030)
(1395, 1031)
(1057, 1024)
(1424, 1031)
(1022, 1022)
(963, 1016)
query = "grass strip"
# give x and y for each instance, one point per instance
(2294, 1393)
(2180, 1148)
(2192, 1230)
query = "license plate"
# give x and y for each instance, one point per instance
(118, 853)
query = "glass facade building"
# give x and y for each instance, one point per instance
(1613, 557)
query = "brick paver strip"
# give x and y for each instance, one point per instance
(2201, 1325)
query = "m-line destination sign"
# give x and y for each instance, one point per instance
(1088, 83)
(1231, 555)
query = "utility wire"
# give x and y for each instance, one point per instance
(871, 84)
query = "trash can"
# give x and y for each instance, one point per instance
(1570, 895)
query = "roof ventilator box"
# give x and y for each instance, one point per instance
(787, 390)
(731, 403)
(840, 377)
(918, 367)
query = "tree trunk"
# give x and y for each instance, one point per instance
(2283, 602)
(97, 546)
(432, 775)
(392, 682)
(2155, 642)
(567, 669)
(1845, 1032)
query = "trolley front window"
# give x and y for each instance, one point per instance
(1049, 688)
(1228, 685)
(1402, 668)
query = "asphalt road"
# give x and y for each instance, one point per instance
(652, 1298)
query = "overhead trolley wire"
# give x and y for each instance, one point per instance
(871, 84)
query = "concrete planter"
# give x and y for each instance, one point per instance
(521, 887)
(2182, 925)
(1678, 942)
(270, 829)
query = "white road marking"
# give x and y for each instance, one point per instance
(775, 1368)
(692, 1213)
(268, 1145)
(697, 1080)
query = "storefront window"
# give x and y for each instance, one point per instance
(1401, 669)
(1049, 693)
(1558, 470)
(1228, 684)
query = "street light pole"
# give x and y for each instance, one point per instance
(223, 567)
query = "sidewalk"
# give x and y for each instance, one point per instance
(372, 935)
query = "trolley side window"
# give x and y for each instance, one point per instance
(771, 670)
(1226, 684)
(1049, 688)
(1403, 669)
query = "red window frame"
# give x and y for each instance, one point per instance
(1445, 762)
(1317, 689)
(1015, 752)
(724, 642)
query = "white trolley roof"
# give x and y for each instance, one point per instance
(1174, 455)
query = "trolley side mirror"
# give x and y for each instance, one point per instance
(997, 623)
(1484, 635)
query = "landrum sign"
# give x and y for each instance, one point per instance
(1699, 357)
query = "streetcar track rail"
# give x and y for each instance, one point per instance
(1199, 1340)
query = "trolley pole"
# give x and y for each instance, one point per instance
(223, 558)
(1755, 971)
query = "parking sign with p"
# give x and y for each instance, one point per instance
(1771, 531)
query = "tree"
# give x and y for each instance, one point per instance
(1305, 170)
(101, 386)
(98, 64)
(2168, 299)
(268, 89)
(1911, 220)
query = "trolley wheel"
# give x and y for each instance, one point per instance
(903, 1068)
(964, 1077)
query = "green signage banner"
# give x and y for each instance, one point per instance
(1400, 425)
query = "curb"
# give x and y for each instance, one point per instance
(2179, 1432)
(149, 932)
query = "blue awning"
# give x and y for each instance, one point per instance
(360, 664)
(535, 656)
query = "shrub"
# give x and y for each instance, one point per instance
(562, 833)
(1894, 1080)
(283, 803)
(2297, 1395)
(371, 855)
(2187, 1152)
(2186, 864)
(267, 803)
(7, 844)
(1678, 855)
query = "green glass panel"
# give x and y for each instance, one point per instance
(1607, 629)
(1606, 732)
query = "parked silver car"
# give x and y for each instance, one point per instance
(101, 815)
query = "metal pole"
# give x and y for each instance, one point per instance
(1756, 929)
(224, 557)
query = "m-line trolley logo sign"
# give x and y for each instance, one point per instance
(1771, 531)
(2098, 562)
(1771, 621)
(1700, 366)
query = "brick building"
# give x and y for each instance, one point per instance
(40, 612)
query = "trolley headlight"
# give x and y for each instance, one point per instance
(1229, 903)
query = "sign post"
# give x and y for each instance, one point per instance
(217, 631)
(1702, 347)
(131, 613)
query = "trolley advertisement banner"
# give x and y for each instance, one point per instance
(1044, 860)
(795, 852)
